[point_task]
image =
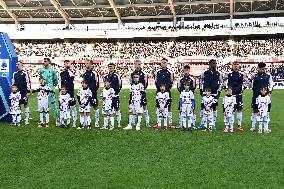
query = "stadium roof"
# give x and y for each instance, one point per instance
(82, 11)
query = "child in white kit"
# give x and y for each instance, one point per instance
(64, 100)
(107, 94)
(137, 92)
(207, 104)
(263, 102)
(229, 103)
(42, 96)
(84, 97)
(162, 103)
(186, 106)
(15, 109)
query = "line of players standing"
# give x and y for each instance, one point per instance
(211, 83)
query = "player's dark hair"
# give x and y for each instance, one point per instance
(186, 67)
(47, 59)
(63, 86)
(138, 61)
(211, 61)
(111, 64)
(107, 80)
(261, 65)
(164, 59)
(162, 84)
(14, 85)
(66, 61)
(207, 89)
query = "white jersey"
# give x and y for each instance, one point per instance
(84, 97)
(64, 100)
(229, 103)
(208, 101)
(186, 107)
(186, 97)
(15, 103)
(162, 100)
(107, 95)
(263, 103)
(42, 96)
(43, 92)
(136, 91)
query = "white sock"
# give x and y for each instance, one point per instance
(253, 120)
(165, 122)
(47, 117)
(130, 121)
(265, 125)
(180, 120)
(85, 120)
(193, 120)
(27, 114)
(97, 116)
(260, 125)
(61, 120)
(82, 119)
(88, 117)
(41, 117)
(184, 121)
(14, 117)
(68, 121)
(157, 116)
(170, 115)
(111, 121)
(240, 117)
(159, 121)
(204, 122)
(19, 118)
(118, 117)
(139, 120)
(147, 117)
(189, 122)
(214, 116)
(105, 120)
(201, 114)
(74, 114)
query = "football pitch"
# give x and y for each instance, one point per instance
(32, 157)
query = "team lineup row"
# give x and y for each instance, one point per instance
(210, 88)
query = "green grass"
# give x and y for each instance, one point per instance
(32, 157)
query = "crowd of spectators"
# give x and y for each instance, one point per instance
(127, 51)
(270, 47)
(273, 47)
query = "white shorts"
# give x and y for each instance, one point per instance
(162, 114)
(65, 115)
(208, 116)
(108, 111)
(43, 108)
(15, 110)
(136, 108)
(86, 109)
(186, 110)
